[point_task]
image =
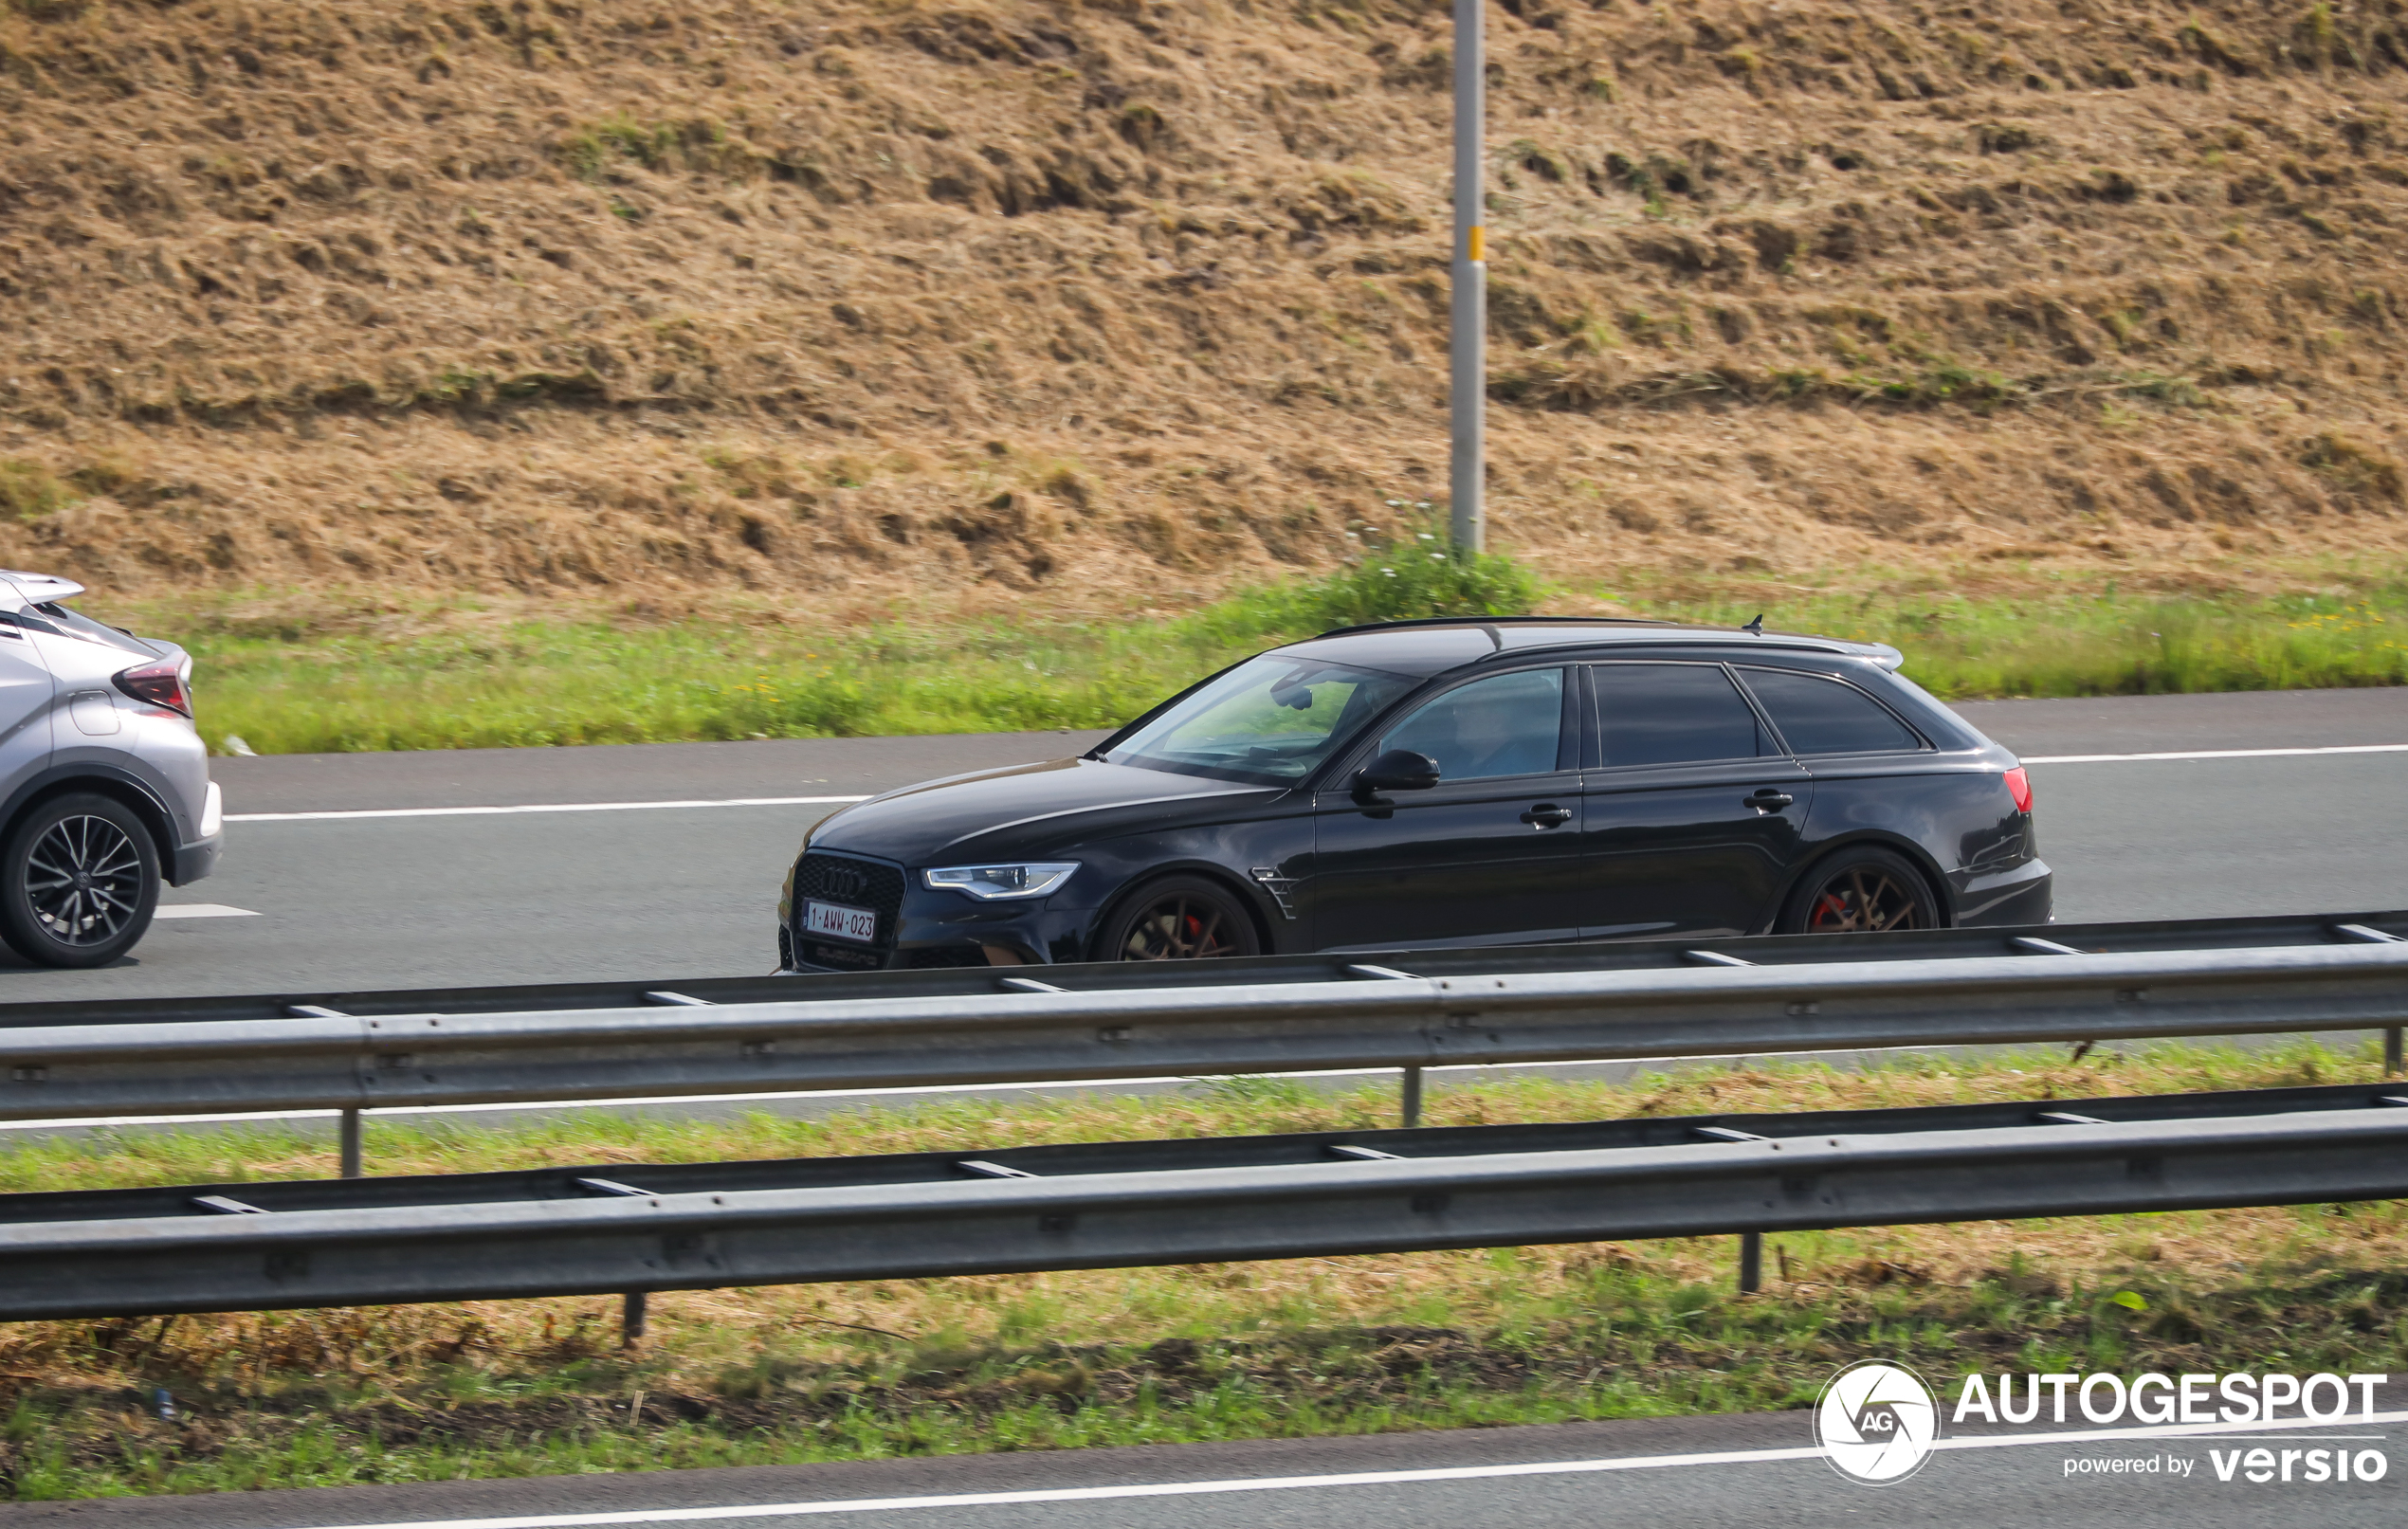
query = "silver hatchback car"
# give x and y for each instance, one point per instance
(104, 788)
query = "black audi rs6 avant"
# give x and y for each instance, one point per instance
(1456, 782)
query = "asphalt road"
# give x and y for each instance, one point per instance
(674, 891)
(1744, 1473)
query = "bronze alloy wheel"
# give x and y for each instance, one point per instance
(1182, 920)
(1872, 891)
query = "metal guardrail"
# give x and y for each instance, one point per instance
(254, 1247)
(1388, 1016)
(338, 1060)
(967, 982)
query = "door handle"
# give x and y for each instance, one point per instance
(1768, 799)
(1547, 815)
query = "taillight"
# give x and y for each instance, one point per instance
(2019, 786)
(160, 685)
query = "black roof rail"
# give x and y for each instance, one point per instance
(1500, 621)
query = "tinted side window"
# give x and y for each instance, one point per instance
(1659, 714)
(1817, 715)
(1508, 724)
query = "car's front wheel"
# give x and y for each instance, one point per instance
(1177, 919)
(1861, 891)
(79, 882)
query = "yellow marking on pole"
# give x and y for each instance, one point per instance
(1477, 245)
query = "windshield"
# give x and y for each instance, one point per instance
(1270, 719)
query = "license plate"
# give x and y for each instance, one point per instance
(838, 922)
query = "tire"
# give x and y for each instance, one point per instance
(79, 882)
(1834, 896)
(1177, 919)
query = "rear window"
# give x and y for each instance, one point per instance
(1818, 714)
(1662, 713)
(63, 620)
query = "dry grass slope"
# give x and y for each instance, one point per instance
(972, 300)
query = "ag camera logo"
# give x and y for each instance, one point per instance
(1875, 1422)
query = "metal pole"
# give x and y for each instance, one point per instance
(1467, 318)
(2391, 1052)
(351, 1143)
(1413, 1095)
(631, 1319)
(1751, 1263)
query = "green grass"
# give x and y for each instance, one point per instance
(1283, 1349)
(525, 682)
(2098, 641)
(457, 679)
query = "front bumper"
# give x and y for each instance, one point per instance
(1040, 938)
(937, 929)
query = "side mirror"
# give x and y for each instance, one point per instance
(1399, 770)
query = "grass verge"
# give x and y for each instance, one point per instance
(1296, 1347)
(457, 677)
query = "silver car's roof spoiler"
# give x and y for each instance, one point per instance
(38, 589)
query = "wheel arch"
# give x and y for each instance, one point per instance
(1935, 880)
(101, 780)
(1249, 899)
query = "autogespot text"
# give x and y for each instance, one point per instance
(2158, 1398)
(2268, 1400)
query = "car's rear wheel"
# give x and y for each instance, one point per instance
(79, 882)
(1861, 891)
(1177, 919)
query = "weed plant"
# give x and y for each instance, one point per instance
(1289, 1348)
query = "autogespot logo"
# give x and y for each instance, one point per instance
(1875, 1422)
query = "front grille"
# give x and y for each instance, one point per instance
(858, 884)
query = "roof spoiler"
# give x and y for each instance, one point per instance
(40, 589)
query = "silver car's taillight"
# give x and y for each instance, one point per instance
(161, 684)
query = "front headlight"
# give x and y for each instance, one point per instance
(995, 883)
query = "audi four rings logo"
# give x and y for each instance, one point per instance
(1875, 1422)
(846, 882)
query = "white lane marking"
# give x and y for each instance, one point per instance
(1286, 1484)
(2215, 754)
(201, 910)
(545, 807)
(831, 801)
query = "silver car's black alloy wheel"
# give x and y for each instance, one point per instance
(85, 880)
(79, 882)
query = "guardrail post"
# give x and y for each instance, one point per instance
(1413, 1095)
(1751, 1261)
(631, 1315)
(351, 1143)
(2392, 1068)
